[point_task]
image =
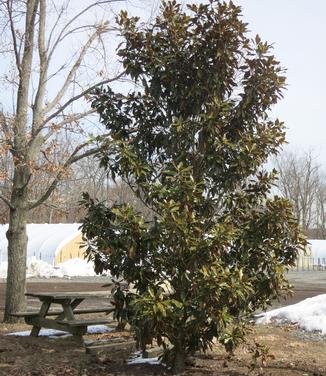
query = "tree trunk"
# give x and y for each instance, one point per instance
(17, 247)
(16, 234)
(16, 276)
(179, 360)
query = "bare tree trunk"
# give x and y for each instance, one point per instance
(16, 234)
(17, 248)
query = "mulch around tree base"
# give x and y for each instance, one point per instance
(290, 354)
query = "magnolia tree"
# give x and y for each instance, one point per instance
(191, 144)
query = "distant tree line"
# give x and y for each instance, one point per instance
(64, 206)
(302, 180)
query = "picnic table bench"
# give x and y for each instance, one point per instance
(65, 319)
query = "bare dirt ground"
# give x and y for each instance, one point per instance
(292, 352)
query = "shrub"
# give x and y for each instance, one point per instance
(191, 143)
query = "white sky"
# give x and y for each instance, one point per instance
(297, 28)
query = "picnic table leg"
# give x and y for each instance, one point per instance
(75, 303)
(68, 310)
(43, 311)
(68, 307)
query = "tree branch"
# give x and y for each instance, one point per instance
(72, 159)
(82, 94)
(74, 68)
(68, 119)
(62, 33)
(13, 35)
(4, 124)
(6, 201)
(56, 207)
(26, 72)
(54, 27)
(39, 98)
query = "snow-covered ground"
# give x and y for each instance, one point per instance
(52, 333)
(138, 359)
(309, 314)
(39, 269)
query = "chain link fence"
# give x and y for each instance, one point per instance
(310, 263)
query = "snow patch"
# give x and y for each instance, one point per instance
(309, 314)
(52, 333)
(43, 333)
(77, 267)
(138, 359)
(40, 269)
(3, 269)
(99, 329)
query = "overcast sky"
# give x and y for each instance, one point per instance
(297, 28)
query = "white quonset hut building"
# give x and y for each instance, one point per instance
(314, 257)
(318, 248)
(52, 243)
(57, 243)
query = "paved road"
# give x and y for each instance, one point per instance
(56, 284)
(306, 285)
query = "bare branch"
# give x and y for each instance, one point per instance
(72, 118)
(79, 29)
(6, 201)
(82, 94)
(73, 70)
(68, 120)
(72, 159)
(13, 35)
(54, 27)
(88, 153)
(56, 73)
(3, 123)
(26, 71)
(63, 34)
(39, 98)
(56, 207)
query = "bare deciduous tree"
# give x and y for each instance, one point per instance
(299, 182)
(320, 225)
(52, 64)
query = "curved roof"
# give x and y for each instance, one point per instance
(44, 240)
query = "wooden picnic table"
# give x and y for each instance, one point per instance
(65, 318)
